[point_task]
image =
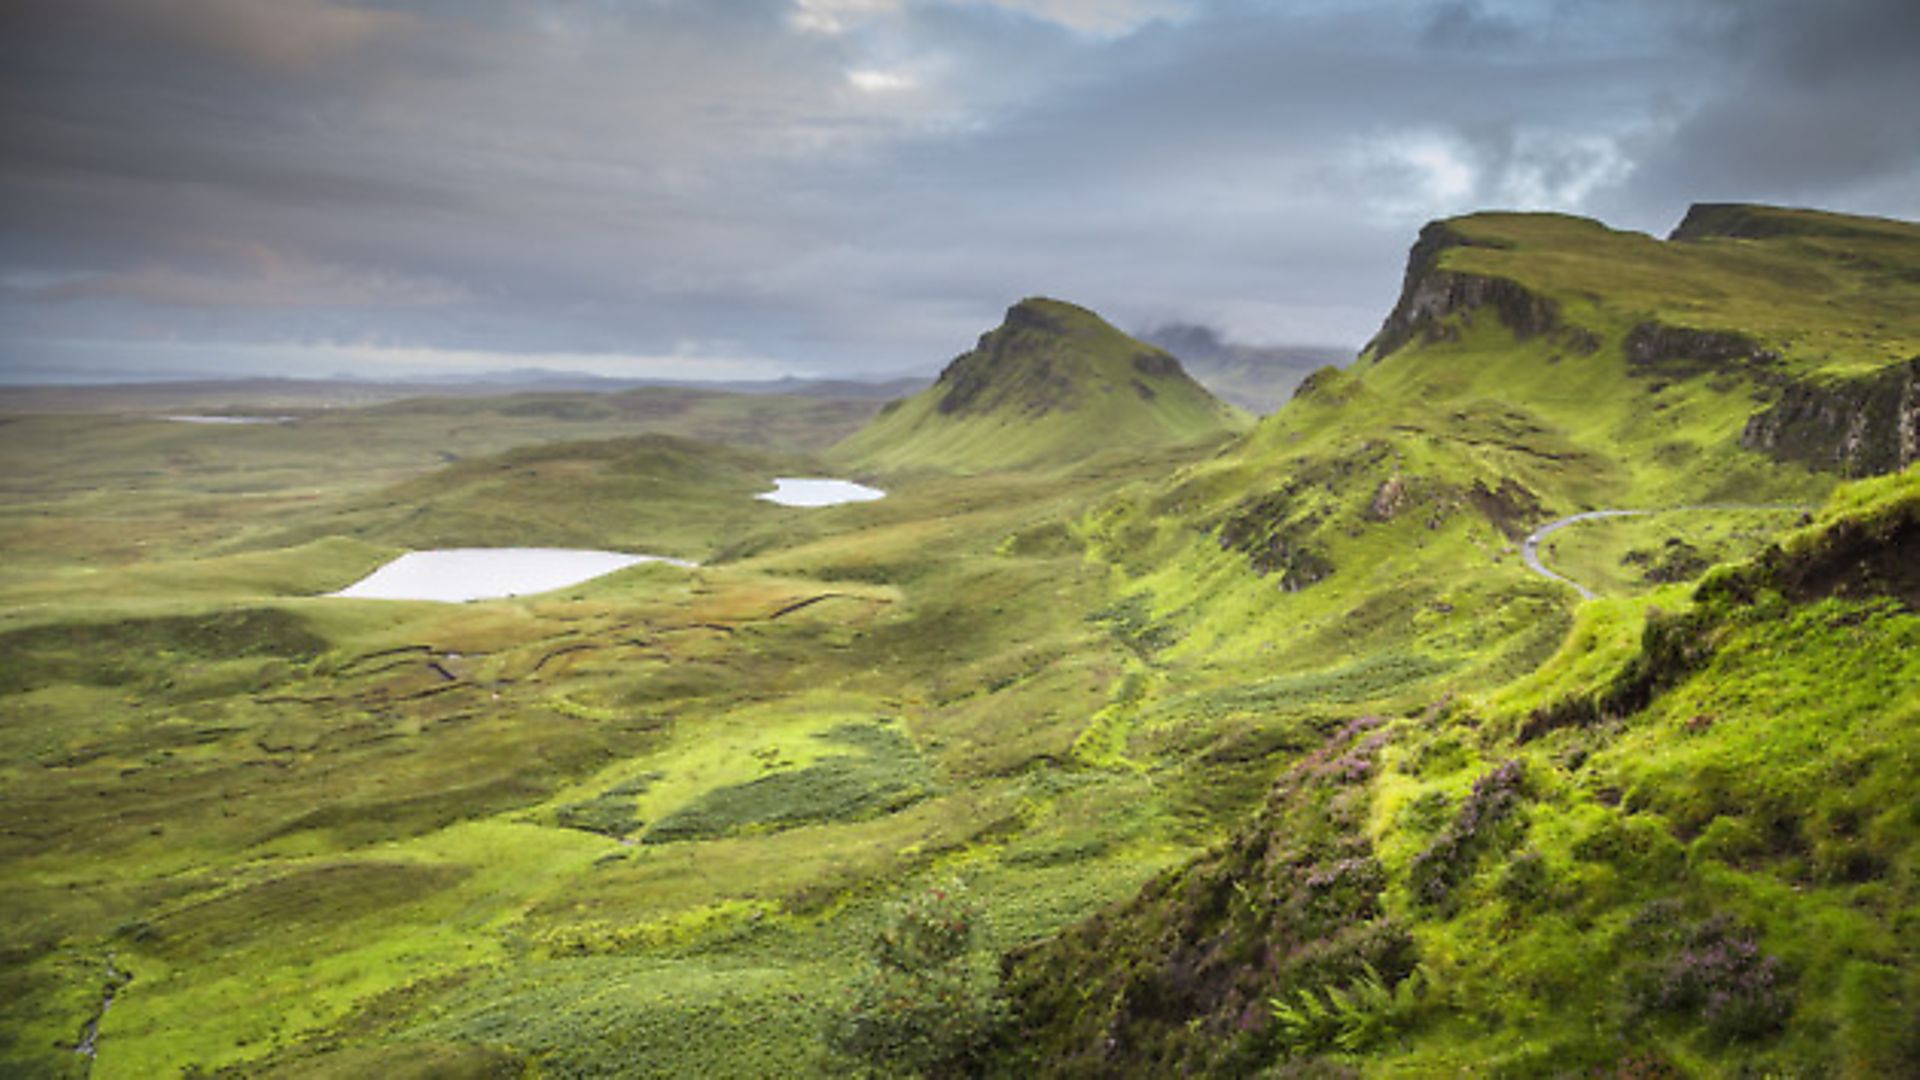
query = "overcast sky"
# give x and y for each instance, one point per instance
(745, 188)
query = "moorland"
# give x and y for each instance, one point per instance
(1255, 745)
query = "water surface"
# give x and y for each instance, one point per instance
(819, 491)
(457, 574)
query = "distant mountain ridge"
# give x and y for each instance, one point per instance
(1258, 378)
(1053, 384)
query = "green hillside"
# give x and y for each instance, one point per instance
(1606, 836)
(1686, 846)
(1516, 382)
(1053, 385)
(1170, 724)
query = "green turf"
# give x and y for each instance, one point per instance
(647, 825)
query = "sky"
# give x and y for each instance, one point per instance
(731, 189)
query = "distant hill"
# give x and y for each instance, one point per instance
(106, 395)
(1053, 384)
(657, 494)
(1258, 378)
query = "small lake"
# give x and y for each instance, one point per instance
(816, 491)
(196, 418)
(457, 574)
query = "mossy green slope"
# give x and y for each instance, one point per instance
(640, 826)
(1687, 846)
(1531, 370)
(1053, 385)
(1359, 552)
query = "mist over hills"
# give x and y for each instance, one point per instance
(1258, 378)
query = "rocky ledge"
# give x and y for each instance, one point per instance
(1857, 427)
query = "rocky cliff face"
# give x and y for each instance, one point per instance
(1681, 350)
(1856, 427)
(1428, 295)
(1753, 221)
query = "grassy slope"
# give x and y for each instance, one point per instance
(1379, 514)
(1379, 511)
(1059, 385)
(1755, 791)
(1831, 294)
(1395, 492)
(1076, 723)
(413, 834)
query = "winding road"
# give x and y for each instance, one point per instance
(1530, 547)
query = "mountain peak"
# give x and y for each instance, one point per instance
(1053, 382)
(1048, 313)
(1047, 356)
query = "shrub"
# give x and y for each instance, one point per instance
(1526, 881)
(922, 1007)
(1445, 863)
(1718, 975)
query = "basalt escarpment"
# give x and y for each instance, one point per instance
(1429, 295)
(1682, 351)
(1753, 221)
(1856, 427)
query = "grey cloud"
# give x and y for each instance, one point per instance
(1467, 24)
(658, 175)
(1810, 102)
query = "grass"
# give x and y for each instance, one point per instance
(647, 824)
(1707, 881)
(201, 752)
(885, 775)
(1831, 302)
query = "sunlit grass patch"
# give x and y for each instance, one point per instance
(882, 773)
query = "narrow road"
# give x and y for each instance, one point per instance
(1530, 547)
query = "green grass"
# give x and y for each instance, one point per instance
(1761, 796)
(306, 842)
(885, 775)
(647, 824)
(1829, 300)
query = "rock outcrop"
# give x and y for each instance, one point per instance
(1681, 350)
(1429, 294)
(1856, 427)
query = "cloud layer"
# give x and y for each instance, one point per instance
(858, 185)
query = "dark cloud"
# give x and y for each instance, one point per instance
(1466, 24)
(1808, 103)
(860, 184)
